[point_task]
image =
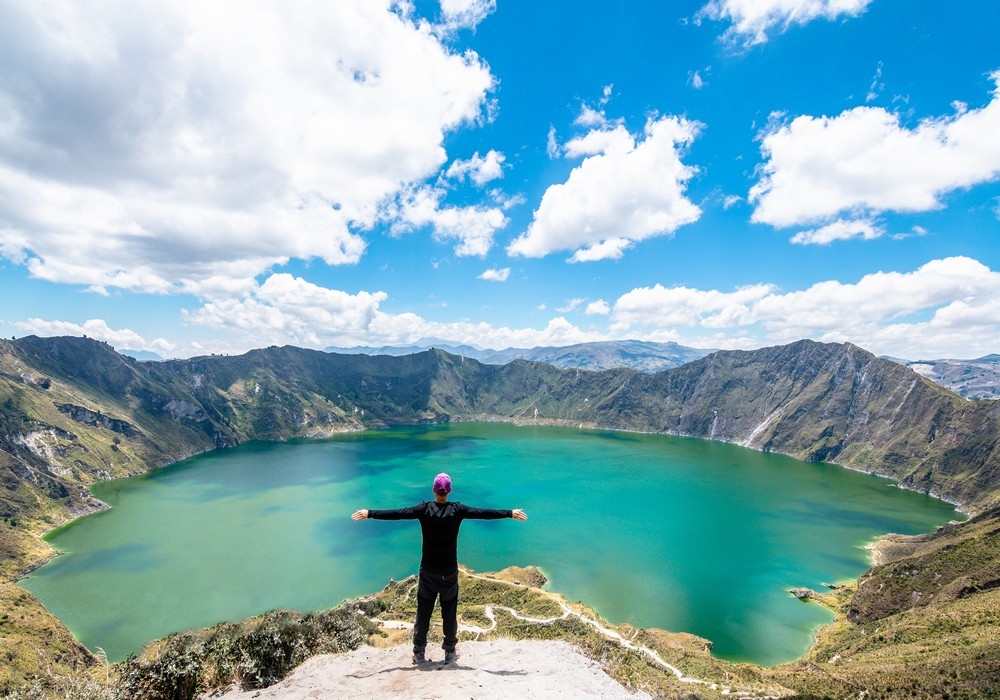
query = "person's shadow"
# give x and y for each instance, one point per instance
(438, 666)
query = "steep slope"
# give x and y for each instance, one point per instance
(821, 402)
(922, 624)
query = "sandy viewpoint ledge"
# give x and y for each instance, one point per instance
(484, 671)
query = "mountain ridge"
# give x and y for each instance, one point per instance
(974, 379)
(814, 401)
(643, 355)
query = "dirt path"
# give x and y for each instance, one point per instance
(601, 629)
(485, 670)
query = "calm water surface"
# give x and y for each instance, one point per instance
(683, 534)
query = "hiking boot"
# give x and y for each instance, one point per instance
(450, 657)
(419, 658)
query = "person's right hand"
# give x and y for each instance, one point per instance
(359, 515)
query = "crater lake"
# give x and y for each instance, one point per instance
(659, 531)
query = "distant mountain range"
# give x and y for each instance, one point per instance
(636, 354)
(973, 379)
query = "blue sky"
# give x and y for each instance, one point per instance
(186, 177)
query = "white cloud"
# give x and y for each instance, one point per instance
(495, 275)
(945, 308)
(595, 118)
(697, 82)
(840, 231)
(753, 19)
(570, 306)
(458, 14)
(877, 86)
(551, 144)
(627, 190)
(682, 306)
(155, 147)
(598, 308)
(473, 227)
(599, 141)
(98, 329)
(611, 249)
(291, 310)
(864, 161)
(590, 117)
(480, 169)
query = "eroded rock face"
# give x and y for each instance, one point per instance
(88, 417)
(184, 410)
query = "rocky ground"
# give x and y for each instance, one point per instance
(496, 669)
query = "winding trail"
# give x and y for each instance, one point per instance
(567, 612)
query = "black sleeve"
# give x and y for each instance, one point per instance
(473, 513)
(411, 513)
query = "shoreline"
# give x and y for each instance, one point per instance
(876, 554)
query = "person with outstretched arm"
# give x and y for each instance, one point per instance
(440, 520)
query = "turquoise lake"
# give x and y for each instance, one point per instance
(658, 531)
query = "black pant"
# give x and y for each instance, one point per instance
(430, 587)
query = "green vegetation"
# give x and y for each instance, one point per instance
(72, 412)
(921, 625)
(252, 654)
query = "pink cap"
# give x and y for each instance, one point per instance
(442, 483)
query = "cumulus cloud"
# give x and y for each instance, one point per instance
(865, 161)
(627, 189)
(157, 147)
(752, 20)
(92, 328)
(290, 310)
(590, 117)
(683, 306)
(945, 308)
(479, 169)
(286, 309)
(473, 226)
(495, 275)
(598, 308)
(98, 329)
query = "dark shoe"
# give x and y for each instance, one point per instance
(419, 658)
(450, 657)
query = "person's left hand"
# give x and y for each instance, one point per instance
(518, 514)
